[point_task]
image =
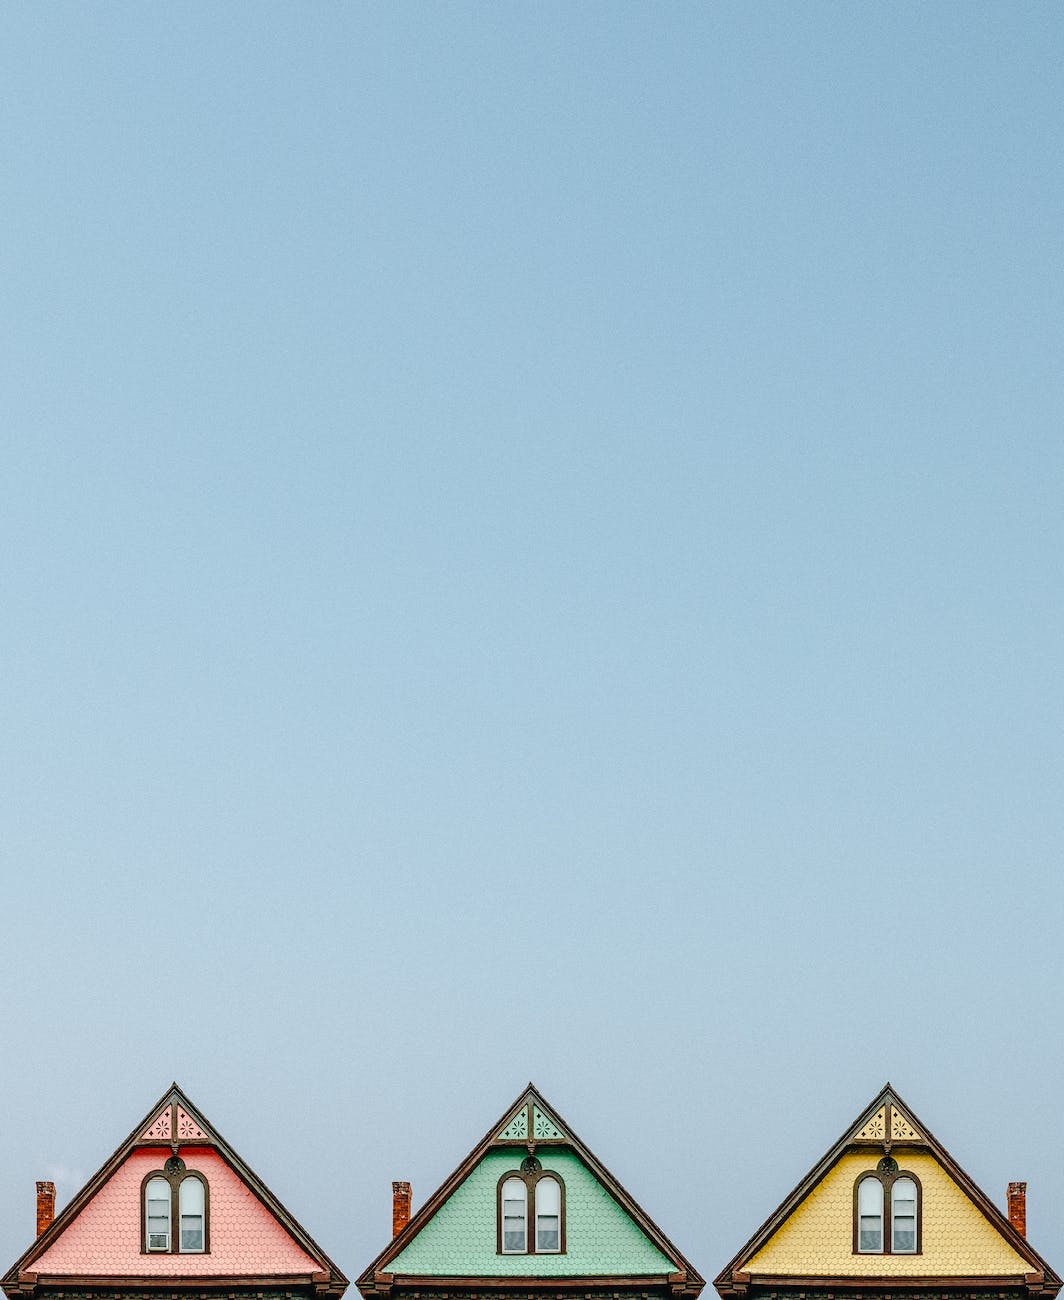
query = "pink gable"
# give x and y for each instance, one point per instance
(104, 1239)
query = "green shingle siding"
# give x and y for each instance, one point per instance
(459, 1240)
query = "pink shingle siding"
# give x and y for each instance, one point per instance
(104, 1238)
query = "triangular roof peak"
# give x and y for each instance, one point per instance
(530, 1122)
(174, 1122)
(887, 1123)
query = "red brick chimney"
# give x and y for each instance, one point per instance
(1018, 1207)
(400, 1207)
(45, 1206)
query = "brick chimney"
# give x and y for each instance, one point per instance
(45, 1206)
(400, 1207)
(1018, 1207)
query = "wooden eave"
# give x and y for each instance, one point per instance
(734, 1281)
(979, 1282)
(443, 1281)
(12, 1281)
(369, 1285)
(29, 1281)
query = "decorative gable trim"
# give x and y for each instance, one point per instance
(173, 1121)
(529, 1122)
(886, 1122)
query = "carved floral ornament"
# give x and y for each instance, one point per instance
(888, 1125)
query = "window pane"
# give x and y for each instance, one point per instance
(548, 1196)
(904, 1241)
(870, 1216)
(548, 1236)
(514, 1214)
(191, 1232)
(157, 1214)
(548, 1214)
(903, 1221)
(870, 1237)
(191, 1196)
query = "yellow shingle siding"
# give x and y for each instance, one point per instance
(817, 1239)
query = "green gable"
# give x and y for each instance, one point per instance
(460, 1238)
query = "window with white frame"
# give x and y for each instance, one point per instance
(190, 1200)
(531, 1211)
(157, 1214)
(886, 1211)
(175, 1195)
(548, 1216)
(514, 1216)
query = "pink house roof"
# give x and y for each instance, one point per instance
(99, 1235)
(246, 1239)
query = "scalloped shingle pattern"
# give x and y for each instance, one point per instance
(459, 1240)
(817, 1238)
(245, 1237)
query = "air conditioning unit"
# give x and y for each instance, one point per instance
(158, 1241)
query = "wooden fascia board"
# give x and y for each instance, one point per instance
(412, 1282)
(798, 1281)
(182, 1282)
(724, 1281)
(530, 1094)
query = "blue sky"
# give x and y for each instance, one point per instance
(530, 547)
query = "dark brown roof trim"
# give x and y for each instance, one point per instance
(337, 1282)
(207, 1281)
(793, 1281)
(732, 1281)
(406, 1282)
(367, 1283)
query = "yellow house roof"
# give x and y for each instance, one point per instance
(964, 1237)
(958, 1240)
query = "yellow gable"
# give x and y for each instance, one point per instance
(817, 1238)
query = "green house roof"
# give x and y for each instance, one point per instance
(607, 1235)
(601, 1238)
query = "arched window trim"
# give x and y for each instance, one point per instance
(895, 1248)
(530, 1179)
(874, 1210)
(175, 1180)
(886, 1180)
(522, 1197)
(541, 1186)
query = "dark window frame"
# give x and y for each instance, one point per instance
(530, 1178)
(887, 1179)
(175, 1179)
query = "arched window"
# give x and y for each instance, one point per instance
(157, 1213)
(175, 1195)
(870, 1216)
(903, 1216)
(190, 1197)
(548, 1216)
(531, 1211)
(886, 1211)
(514, 1216)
